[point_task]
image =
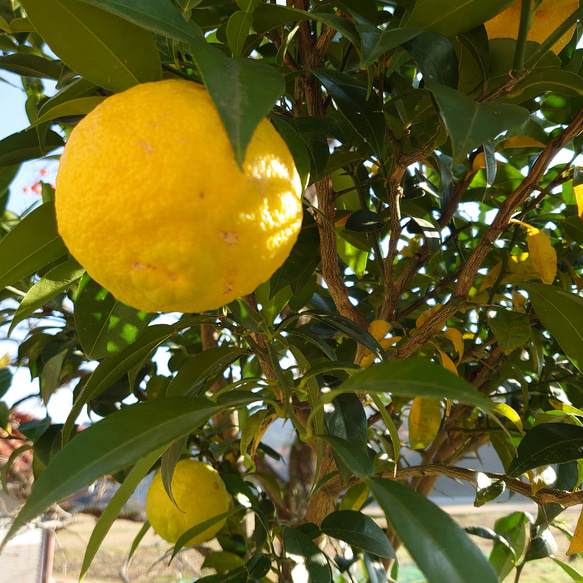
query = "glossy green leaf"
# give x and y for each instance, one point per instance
(450, 17)
(364, 221)
(436, 58)
(26, 145)
(33, 243)
(159, 16)
(237, 31)
(573, 227)
(513, 528)
(358, 529)
(200, 368)
(113, 368)
(542, 545)
(561, 313)
(105, 326)
(549, 443)
(46, 288)
(470, 123)
(544, 80)
(441, 549)
(116, 54)
(243, 90)
(31, 66)
(511, 329)
(375, 42)
(345, 418)
(411, 378)
(5, 381)
(50, 375)
(303, 259)
(74, 107)
(347, 326)
(365, 115)
(115, 506)
(114, 443)
(308, 558)
(351, 454)
(569, 570)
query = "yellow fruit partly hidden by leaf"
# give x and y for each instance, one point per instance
(548, 17)
(200, 494)
(151, 201)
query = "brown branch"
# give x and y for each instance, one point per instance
(493, 232)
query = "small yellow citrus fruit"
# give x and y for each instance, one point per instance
(151, 201)
(547, 18)
(200, 494)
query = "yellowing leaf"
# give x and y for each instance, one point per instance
(379, 328)
(424, 422)
(559, 406)
(522, 142)
(260, 433)
(541, 478)
(518, 301)
(510, 414)
(479, 162)
(543, 254)
(457, 340)
(518, 268)
(576, 545)
(5, 361)
(355, 497)
(579, 197)
(446, 361)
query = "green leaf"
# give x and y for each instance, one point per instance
(5, 381)
(46, 288)
(358, 529)
(159, 16)
(375, 42)
(549, 443)
(435, 57)
(309, 559)
(441, 549)
(33, 243)
(104, 325)
(544, 80)
(26, 145)
(411, 378)
(511, 329)
(243, 90)
(74, 107)
(113, 368)
(573, 227)
(364, 221)
(347, 326)
(31, 66)
(351, 454)
(200, 368)
(238, 27)
(115, 506)
(116, 54)
(450, 17)
(561, 313)
(303, 259)
(513, 528)
(571, 571)
(365, 116)
(470, 123)
(111, 445)
(345, 418)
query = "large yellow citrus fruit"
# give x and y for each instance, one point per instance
(549, 15)
(200, 494)
(151, 201)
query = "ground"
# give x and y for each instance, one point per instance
(149, 565)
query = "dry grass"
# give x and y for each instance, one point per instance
(148, 565)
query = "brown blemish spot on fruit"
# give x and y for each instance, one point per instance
(201, 194)
(230, 237)
(172, 276)
(215, 486)
(228, 288)
(141, 266)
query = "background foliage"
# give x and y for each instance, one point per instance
(435, 286)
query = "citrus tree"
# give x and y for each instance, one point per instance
(431, 301)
